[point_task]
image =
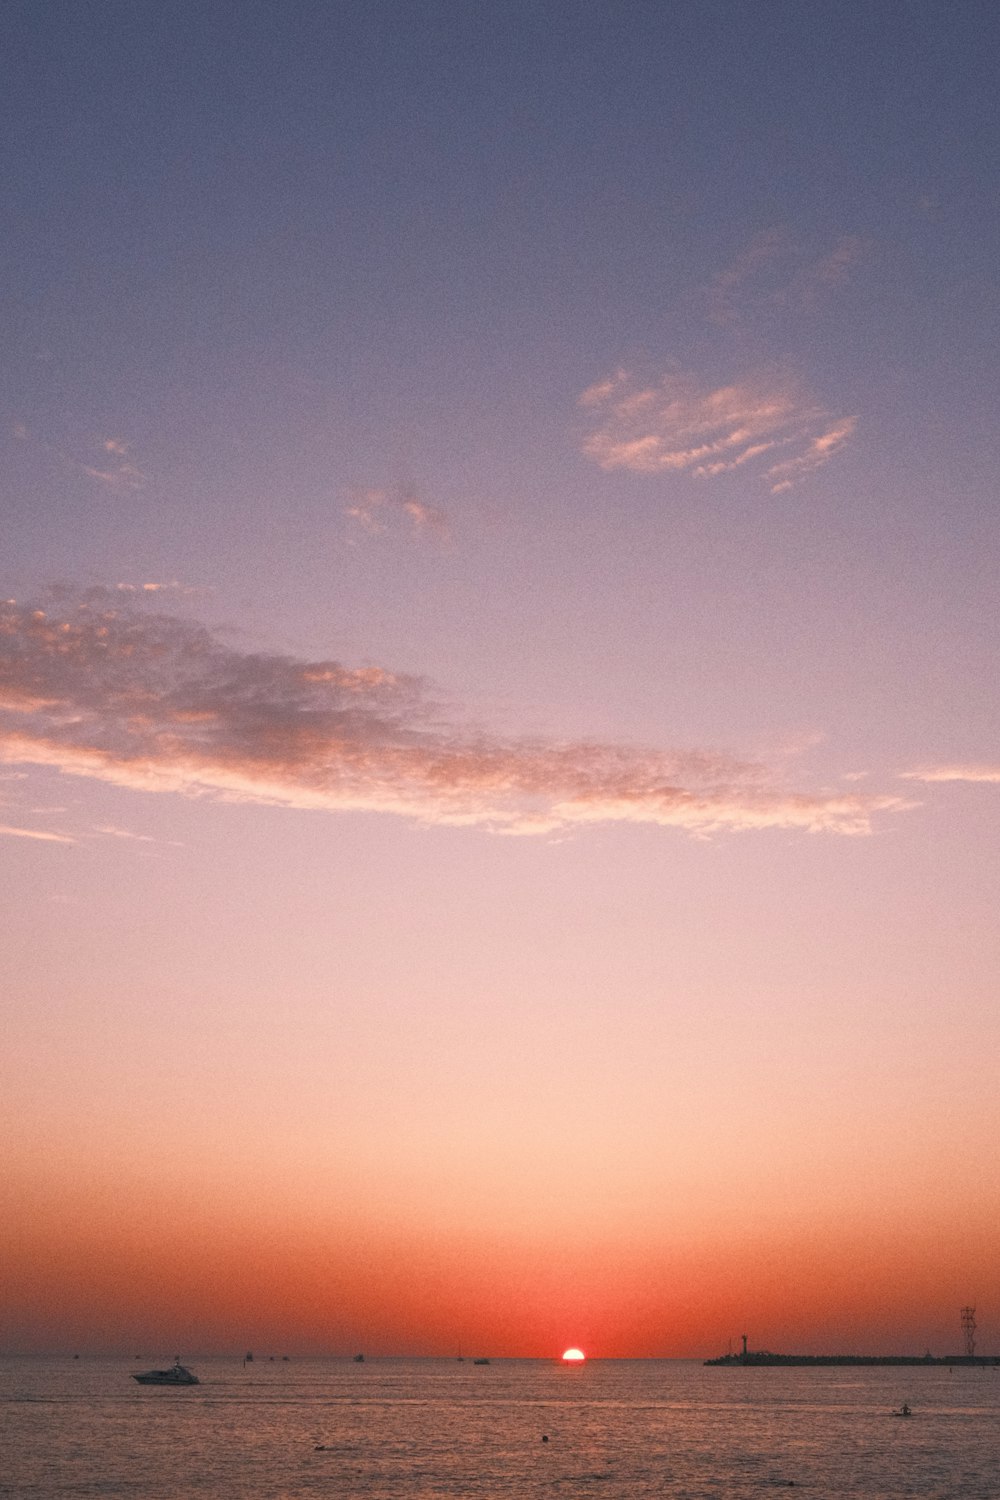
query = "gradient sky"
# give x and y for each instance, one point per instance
(499, 761)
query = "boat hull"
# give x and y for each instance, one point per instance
(177, 1376)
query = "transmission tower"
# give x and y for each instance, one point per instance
(969, 1330)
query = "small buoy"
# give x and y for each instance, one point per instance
(545, 1437)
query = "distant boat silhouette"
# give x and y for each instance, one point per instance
(480, 1361)
(359, 1359)
(176, 1375)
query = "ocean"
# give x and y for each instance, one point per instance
(425, 1428)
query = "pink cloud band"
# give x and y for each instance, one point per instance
(98, 687)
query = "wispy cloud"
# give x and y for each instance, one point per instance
(155, 588)
(727, 292)
(34, 833)
(818, 450)
(111, 463)
(773, 272)
(679, 426)
(975, 773)
(831, 269)
(117, 470)
(99, 688)
(379, 511)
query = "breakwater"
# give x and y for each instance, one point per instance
(757, 1357)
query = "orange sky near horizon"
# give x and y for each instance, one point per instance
(104, 1256)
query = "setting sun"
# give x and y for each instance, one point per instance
(574, 1354)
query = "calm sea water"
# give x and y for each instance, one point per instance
(617, 1430)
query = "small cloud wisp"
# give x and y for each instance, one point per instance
(118, 471)
(95, 686)
(376, 511)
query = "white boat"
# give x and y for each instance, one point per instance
(176, 1375)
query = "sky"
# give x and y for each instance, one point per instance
(499, 763)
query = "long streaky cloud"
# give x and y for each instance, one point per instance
(6, 831)
(680, 426)
(974, 773)
(95, 686)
